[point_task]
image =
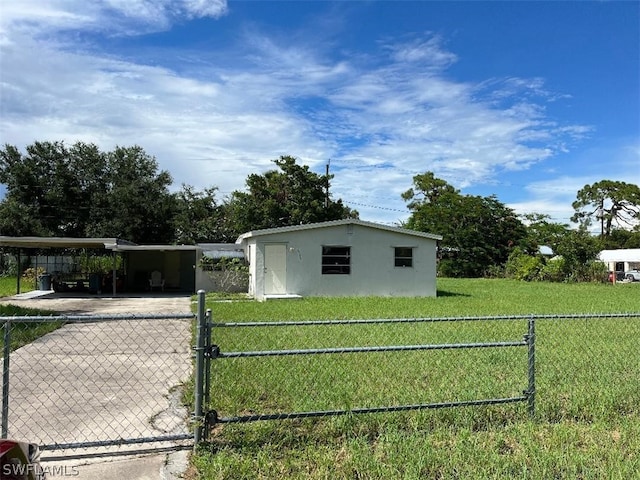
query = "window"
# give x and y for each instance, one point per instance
(336, 260)
(403, 256)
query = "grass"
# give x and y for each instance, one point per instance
(8, 286)
(21, 333)
(587, 422)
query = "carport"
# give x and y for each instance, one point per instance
(176, 263)
(20, 244)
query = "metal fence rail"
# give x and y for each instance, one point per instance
(216, 351)
(95, 381)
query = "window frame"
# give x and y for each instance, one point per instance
(403, 261)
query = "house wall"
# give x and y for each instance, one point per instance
(628, 257)
(372, 262)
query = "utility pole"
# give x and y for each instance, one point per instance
(326, 198)
(600, 215)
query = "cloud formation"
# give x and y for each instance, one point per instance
(212, 119)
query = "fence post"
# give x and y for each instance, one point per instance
(5, 378)
(531, 389)
(201, 330)
(207, 362)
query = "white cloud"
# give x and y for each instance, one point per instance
(427, 51)
(37, 18)
(380, 122)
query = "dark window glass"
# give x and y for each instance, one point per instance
(403, 257)
(336, 260)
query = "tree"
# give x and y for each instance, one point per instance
(579, 251)
(290, 195)
(540, 231)
(478, 232)
(80, 191)
(610, 202)
(138, 204)
(198, 216)
(429, 190)
(38, 185)
(621, 238)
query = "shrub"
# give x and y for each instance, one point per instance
(553, 270)
(229, 274)
(31, 274)
(521, 266)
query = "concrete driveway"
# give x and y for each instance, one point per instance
(105, 380)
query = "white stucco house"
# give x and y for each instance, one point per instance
(340, 258)
(621, 260)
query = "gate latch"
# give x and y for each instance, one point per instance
(212, 351)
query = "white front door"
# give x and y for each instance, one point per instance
(275, 269)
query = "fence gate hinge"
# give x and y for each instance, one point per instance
(212, 351)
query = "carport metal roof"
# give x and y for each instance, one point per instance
(153, 248)
(62, 242)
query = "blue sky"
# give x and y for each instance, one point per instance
(529, 101)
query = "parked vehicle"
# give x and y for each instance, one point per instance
(20, 461)
(632, 275)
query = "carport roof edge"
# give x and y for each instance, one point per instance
(62, 242)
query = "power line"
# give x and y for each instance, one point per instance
(375, 206)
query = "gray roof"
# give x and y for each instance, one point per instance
(545, 250)
(61, 242)
(620, 255)
(115, 244)
(333, 223)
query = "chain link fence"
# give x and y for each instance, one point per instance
(112, 382)
(588, 367)
(572, 366)
(95, 382)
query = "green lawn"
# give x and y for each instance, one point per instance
(21, 333)
(587, 422)
(8, 286)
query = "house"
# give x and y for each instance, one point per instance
(621, 260)
(337, 258)
(340, 258)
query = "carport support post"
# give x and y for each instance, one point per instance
(113, 273)
(19, 272)
(201, 332)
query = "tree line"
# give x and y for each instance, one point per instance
(80, 191)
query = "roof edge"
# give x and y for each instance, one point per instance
(332, 223)
(62, 242)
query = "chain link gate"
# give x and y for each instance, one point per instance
(84, 385)
(208, 351)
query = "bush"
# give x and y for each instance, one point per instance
(31, 274)
(596, 272)
(553, 271)
(99, 264)
(521, 266)
(229, 274)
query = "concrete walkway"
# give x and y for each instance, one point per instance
(106, 380)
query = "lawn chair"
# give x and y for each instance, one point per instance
(156, 280)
